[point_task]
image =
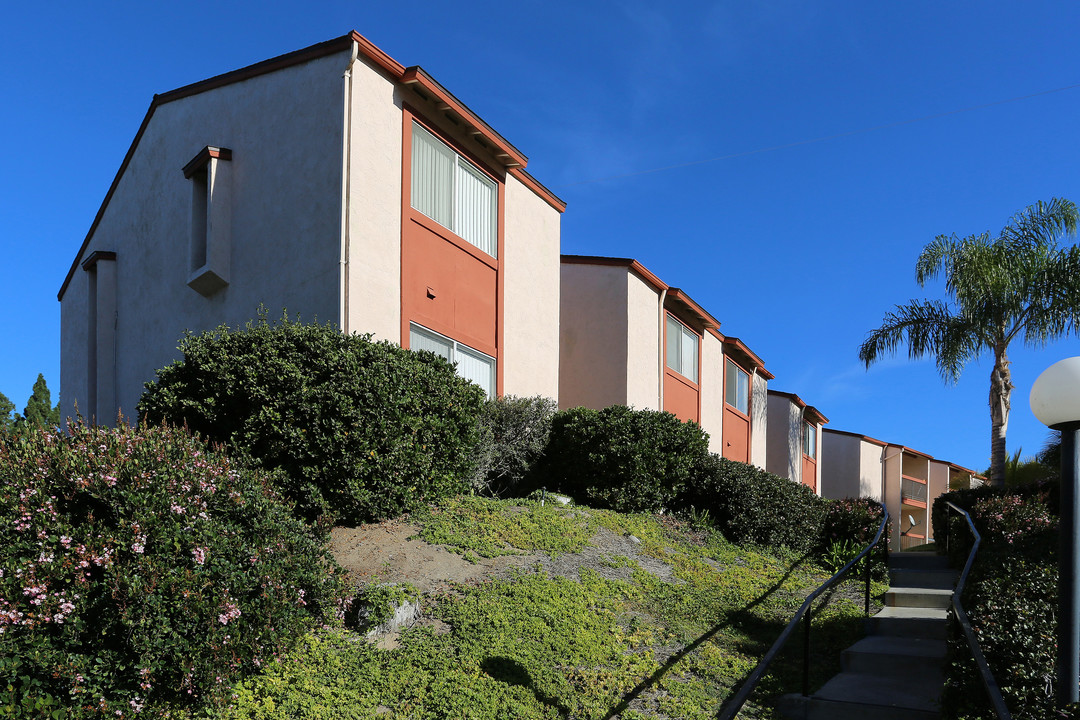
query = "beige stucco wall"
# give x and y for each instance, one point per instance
(759, 421)
(849, 466)
(784, 438)
(643, 371)
(374, 209)
(592, 336)
(530, 353)
(712, 392)
(939, 485)
(285, 132)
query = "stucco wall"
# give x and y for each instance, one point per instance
(530, 352)
(712, 391)
(374, 212)
(643, 371)
(784, 438)
(849, 467)
(759, 420)
(285, 131)
(592, 336)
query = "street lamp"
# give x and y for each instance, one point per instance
(1055, 400)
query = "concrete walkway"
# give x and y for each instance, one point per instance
(896, 672)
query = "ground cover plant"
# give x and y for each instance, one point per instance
(665, 631)
(1010, 598)
(362, 430)
(141, 572)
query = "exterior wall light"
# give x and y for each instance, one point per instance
(1055, 400)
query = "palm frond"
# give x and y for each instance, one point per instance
(926, 328)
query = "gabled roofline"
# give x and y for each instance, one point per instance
(810, 409)
(514, 159)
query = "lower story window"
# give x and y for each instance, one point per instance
(472, 365)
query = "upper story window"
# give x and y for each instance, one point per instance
(682, 349)
(472, 365)
(737, 388)
(453, 192)
(810, 440)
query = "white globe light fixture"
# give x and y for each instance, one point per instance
(1055, 396)
(1055, 400)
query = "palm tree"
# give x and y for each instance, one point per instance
(1018, 284)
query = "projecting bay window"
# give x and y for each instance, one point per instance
(472, 365)
(682, 349)
(737, 388)
(453, 192)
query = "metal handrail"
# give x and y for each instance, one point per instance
(988, 681)
(733, 706)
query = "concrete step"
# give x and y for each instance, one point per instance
(918, 560)
(922, 658)
(916, 577)
(909, 622)
(856, 696)
(919, 597)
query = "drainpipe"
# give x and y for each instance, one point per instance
(346, 181)
(660, 344)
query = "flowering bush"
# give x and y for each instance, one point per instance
(1012, 519)
(138, 570)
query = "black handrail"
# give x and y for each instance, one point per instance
(733, 706)
(991, 686)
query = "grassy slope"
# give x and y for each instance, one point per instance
(534, 646)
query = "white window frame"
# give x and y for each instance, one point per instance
(487, 238)
(810, 439)
(736, 376)
(455, 350)
(678, 335)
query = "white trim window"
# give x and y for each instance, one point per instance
(453, 192)
(737, 388)
(810, 440)
(682, 349)
(472, 365)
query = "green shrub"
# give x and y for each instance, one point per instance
(139, 569)
(620, 458)
(749, 505)
(513, 435)
(1011, 598)
(364, 430)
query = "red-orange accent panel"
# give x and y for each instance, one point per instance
(736, 436)
(680, 397)
(809, 473)
(448, 289)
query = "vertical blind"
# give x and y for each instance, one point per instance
(451, 191)
(737, 388)
(471, 364)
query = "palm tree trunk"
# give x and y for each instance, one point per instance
(1000, 392)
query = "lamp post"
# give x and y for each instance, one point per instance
(1055, 400)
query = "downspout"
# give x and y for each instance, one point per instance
(660, 344)
(346, 192)
(802, 446)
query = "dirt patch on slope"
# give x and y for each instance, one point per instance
(392, 552)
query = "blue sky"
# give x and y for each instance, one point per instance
(812, 149)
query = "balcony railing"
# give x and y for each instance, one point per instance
(913, 489)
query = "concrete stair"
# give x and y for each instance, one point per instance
(896, 672)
